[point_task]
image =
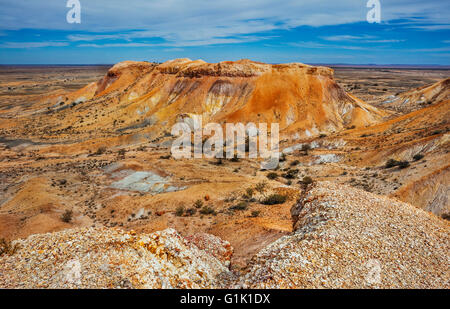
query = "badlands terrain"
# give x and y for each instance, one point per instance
(90, 195)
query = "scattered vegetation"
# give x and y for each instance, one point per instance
(306, 148)
(307, 180)
(249, 192)
(274, 199)
(191, 211)
(391, 163)
(67, 216)
(207, 210)
(240, 206)
(294, 163)
(401, 164)
(198, 204)
(179, 211)
(100, 151)
(261, 187)
(290, 174)
(122, 153)
(418, 157)
(255, 213)
(272, 175)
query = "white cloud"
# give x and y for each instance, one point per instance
(360, 39)
(94, 37)
(339, 38)
(204, 22)
(315, 45)
(32, 44)
(428, 50)
(431, 27)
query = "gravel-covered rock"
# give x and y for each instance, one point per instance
(110, 258)
(348, 238)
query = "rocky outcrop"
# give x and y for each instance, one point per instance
(110, 258)
(347, 238)
(303, 99)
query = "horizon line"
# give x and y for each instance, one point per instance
(314, 64)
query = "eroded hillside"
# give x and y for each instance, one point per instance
(97, 160)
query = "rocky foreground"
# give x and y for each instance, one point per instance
(344, 238)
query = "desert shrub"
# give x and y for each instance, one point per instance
(307, 180)
(6, 247)
(179, 211)
(290, 174)
(261, 187)
(67, 216)
(122, 152)
(248, 193)
(418, 157)
(230, 198)
(274, 199)
(191, 211)
(294, 163)
(391, 163)
(240, 206)
(100, 151)
(283, 157)
(306, 148)
(207, 210)
(166, 157)
(255, 213)
(403, 164)
(198, 204)
(272, 176)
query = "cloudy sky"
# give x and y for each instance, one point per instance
(274, 31)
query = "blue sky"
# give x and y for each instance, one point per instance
(273, 31)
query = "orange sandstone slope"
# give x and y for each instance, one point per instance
(420, 137)
(303, 99)
(420, 97)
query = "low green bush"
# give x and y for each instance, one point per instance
(274, 199)
(240, 206)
